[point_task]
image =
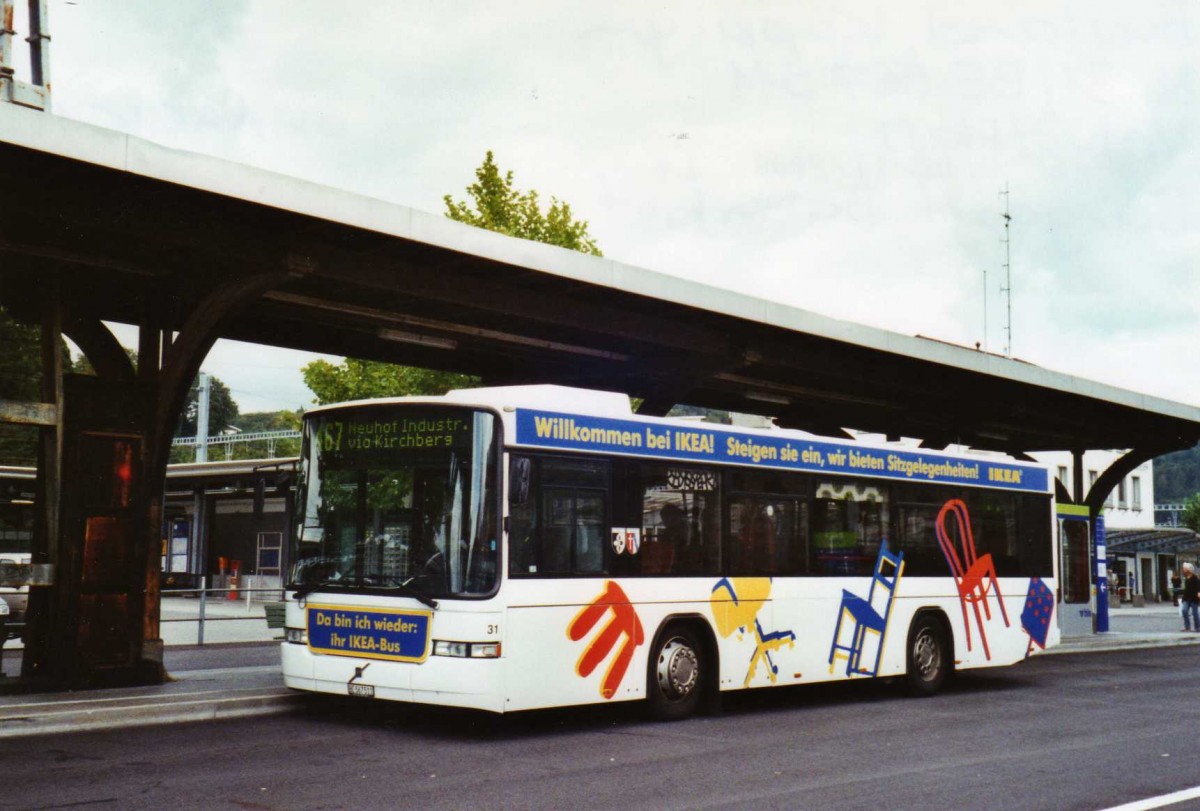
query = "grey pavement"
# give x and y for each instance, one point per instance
(238, 620)
(1153, 626)
(233, 630)
(251, 684)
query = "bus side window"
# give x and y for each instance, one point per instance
(768, 535)
(562, 526)
(994, 528)
(589, 533)
(520, 471)
(850, 520)
(916, 511)
(1033, 513)
(680, 520)
(522, 517)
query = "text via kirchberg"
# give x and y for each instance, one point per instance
(391, 434)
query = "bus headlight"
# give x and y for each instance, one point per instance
(466, 650)
(443, 648)
(297, 636)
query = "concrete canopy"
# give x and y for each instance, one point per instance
(129, 227)
(1174, 541)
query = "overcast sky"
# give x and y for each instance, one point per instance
(843, 160)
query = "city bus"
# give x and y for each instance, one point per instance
(529, 547)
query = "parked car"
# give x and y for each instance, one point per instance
(15, 600)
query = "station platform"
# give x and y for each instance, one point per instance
(1151, 626)
(240, 677)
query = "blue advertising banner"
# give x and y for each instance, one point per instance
(372, 633)
(693, 443)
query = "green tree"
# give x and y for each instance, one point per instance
(1176, 475)
(354, 379)
(1191, 512)
(222, 414)
(267, 421)
(499, 206)
(20, 379)
(222, 408)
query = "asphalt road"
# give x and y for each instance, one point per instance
(1063, 732)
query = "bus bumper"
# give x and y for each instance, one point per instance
(441, 680)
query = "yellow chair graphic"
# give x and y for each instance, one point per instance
(735, 605)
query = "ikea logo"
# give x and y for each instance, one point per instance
(1005, 475)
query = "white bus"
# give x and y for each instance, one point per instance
(527, 547)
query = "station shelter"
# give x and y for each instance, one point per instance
(1143, 562)
(226, 523)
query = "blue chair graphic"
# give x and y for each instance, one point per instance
(889, 568)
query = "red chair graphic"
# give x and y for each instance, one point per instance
(975, 580)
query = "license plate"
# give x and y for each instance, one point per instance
(361, 690)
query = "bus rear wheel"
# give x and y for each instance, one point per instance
(675, 679)
(928, 656)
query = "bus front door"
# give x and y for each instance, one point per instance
(1077, 602)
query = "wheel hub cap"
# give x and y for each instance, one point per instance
(926, 656)
(677, 669)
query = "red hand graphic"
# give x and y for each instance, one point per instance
(624, 622)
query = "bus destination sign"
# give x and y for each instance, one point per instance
(351, 438)
(371, 633)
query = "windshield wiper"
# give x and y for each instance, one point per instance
(346, 583)
(414, 592)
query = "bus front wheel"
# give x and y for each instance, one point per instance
(928, 656)
(676, 675)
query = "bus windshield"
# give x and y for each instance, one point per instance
(398, 499)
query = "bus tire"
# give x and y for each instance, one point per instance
(929, 656)
(676, 675)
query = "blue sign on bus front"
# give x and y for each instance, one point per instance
(697, 444)
(400, 635)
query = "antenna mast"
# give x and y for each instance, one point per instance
(985, 313)
(1007, 289)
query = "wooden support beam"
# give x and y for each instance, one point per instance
(43, 415)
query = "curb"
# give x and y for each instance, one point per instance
(50, 717)
(1105, 643)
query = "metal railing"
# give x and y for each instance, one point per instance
(226, 604)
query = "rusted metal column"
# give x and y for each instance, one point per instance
(151, 349)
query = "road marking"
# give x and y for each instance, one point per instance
(1159, 801)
